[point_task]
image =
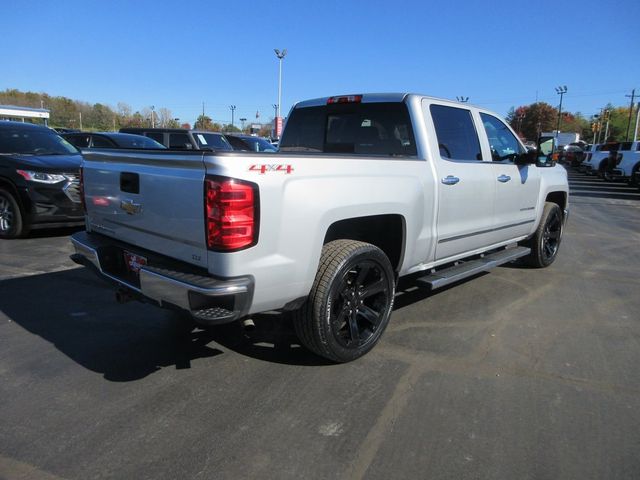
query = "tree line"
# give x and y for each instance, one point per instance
(530, 120)
(68, 113)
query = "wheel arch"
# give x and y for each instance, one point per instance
(387, 232)
(559, 198)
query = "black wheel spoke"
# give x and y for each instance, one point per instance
(554, 235)
(376, 287)
(371, 316)
(354, 331)
(362, 274)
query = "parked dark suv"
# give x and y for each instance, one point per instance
(39, 180)
(111, 140)
(182, 139)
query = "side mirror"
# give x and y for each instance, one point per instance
(544, 152)
(527, 158)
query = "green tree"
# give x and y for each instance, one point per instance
(530, 120)
(203, 123)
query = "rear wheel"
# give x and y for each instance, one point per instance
(350, 302)
(633, 179)
(12, 224)
(546, 240)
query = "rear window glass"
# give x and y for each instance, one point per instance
(351, 128)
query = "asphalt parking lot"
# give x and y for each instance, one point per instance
(516, 374)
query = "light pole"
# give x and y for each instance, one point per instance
(243, 120)
(233, 109)
(280, 56)
(462, 99)
(153, 123)
(560, 91)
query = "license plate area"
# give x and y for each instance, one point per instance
(133, 262)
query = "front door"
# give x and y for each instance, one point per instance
(517, 186)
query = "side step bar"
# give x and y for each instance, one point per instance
(440, 278)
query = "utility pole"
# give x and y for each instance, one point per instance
(560, 91)
(233, 109)
(153, 120)
(633, 96)
(607, 116)
(280, 56)
(80, 113)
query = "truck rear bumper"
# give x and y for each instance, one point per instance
(208, 299)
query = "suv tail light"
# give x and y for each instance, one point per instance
(231, 209)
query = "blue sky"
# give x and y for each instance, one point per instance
(177, 55)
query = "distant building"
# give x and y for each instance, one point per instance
(10, 112)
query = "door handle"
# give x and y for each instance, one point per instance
(504, 178)
(450, 180)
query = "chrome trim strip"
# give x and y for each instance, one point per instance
(149, 232)
(466, 235)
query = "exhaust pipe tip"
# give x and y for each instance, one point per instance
(248, 325)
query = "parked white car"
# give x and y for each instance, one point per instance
(629, 162)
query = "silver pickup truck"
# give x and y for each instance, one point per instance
(365, 189)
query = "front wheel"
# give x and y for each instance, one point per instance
(546, 240)
(350, 302)
(12, 224)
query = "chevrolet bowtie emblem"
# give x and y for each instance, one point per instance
(130, 207)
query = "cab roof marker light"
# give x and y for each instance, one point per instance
(345, 99)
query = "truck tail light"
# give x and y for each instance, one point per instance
(231, 209)
(345, 99)
(81, 188)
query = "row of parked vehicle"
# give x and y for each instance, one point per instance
(173, 138)
(613, 161)
(40, 169)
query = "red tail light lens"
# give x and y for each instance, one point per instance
(231, 209)
(345, 99)
(81, 188)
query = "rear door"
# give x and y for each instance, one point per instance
(466, 189)
(517, 186)
(152, 200)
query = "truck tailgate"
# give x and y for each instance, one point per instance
(152, 200)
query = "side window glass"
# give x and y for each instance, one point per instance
(80, 141)
(179, 140)
(456, 133)
(504, 145)
(157, 136)
(99, 142)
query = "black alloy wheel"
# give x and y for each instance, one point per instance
(350, 302)
(551, 235)
(11, 223)
(359, 301)
(545, 241)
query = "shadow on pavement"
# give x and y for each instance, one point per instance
(54, 232)
(77, 313)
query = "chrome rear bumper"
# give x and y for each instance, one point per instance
(209, 300)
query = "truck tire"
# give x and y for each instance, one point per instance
(12, 224)
(350, 302)
(632, 179)
(546, 240)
